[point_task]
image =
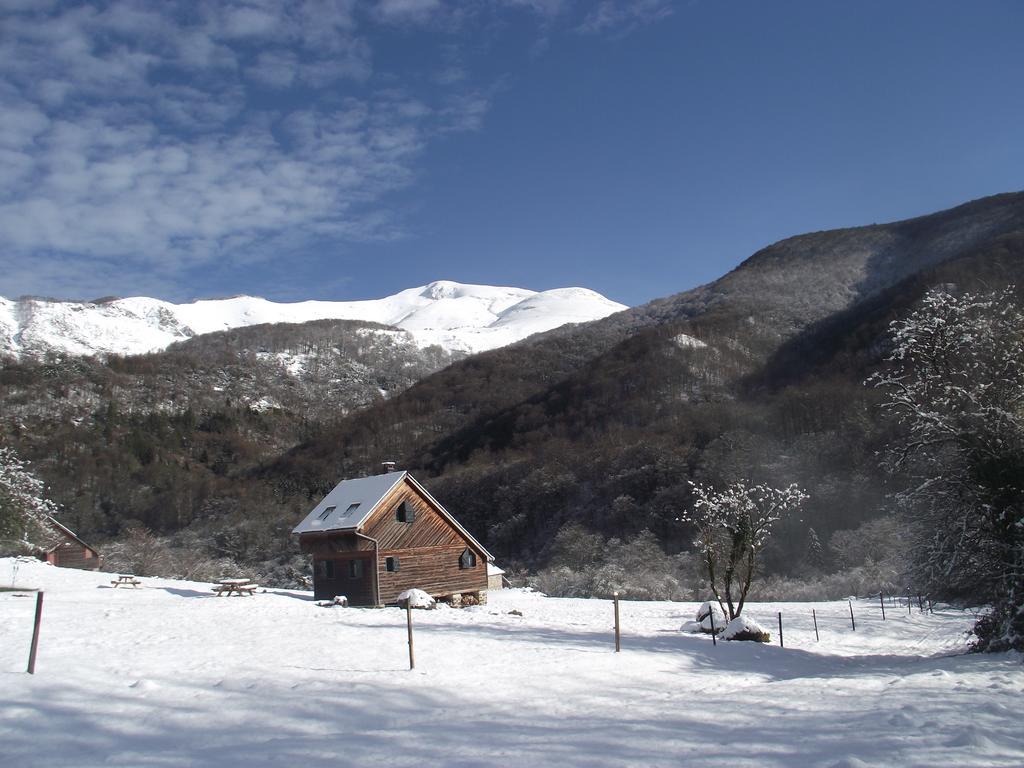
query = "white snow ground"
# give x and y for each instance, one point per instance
(456, 316)
(168, 675)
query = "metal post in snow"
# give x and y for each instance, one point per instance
(35, 634)
(615, 598)
(881, 601)
(815, 617)
(781, 645)
(853, 623)
(714, 639)
(910, 606)
(408, 622)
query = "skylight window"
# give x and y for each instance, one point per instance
(326, 513)
(352, 508)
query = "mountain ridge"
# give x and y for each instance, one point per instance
(458, 317)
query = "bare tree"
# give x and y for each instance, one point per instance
(955, 384)
(733, 526)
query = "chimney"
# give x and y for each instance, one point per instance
(389, 466)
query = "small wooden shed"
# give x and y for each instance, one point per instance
(66, 550)
(495, 577)
(371, 538)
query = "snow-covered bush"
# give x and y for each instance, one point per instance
(745, 628)
(586, 565)
(416, 598)
(710, 618)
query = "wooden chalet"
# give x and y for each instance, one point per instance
(65, 549)
(371, 538)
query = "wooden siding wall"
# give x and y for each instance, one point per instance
(428, 528)
(358, 591)
(427, 549)
(74, 555)
(435, 570)
(329, 546)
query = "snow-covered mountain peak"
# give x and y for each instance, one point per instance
(457, 316)
(446, 289)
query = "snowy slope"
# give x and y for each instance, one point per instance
(170, 675)
(469, 318)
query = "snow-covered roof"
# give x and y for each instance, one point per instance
(350, 503)
(493, 570)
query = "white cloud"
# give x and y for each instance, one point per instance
(276, 69)
(406, 10)
(623, 16)
(131, 136)
(141, 141)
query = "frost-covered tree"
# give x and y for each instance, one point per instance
(733, 526)
(814, 556)
(23, 507)
(955, 384)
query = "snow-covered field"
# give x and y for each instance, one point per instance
(169, 675)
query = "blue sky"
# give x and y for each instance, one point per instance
(340, 150)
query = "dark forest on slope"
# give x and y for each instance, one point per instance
(757, 375)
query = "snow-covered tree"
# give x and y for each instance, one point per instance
(814, 557)
(955, 384)
(733, 526)
(23, 507)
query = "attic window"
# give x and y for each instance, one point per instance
(352, 508)
(326, 513)
(404, 513)
(467, 559)
(391, 564)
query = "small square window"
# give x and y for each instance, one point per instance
(355, 569)
(325, 569)
(391, 564)
(404, 513)
(467, 559)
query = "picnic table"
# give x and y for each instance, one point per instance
(238, 587)
(125, 580)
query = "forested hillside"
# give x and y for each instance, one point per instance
(225, 440)
(167, 441)
(758, 375)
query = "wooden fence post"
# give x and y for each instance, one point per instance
(815, 617)
(910, 603)
(714, 638)
(781, 645)
(35, 634)
(853, 622)
(408, 622)
(615, 598)
(881, 601)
